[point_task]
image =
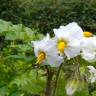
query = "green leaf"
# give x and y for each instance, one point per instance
(60, 90)
(29, 83)
(83, 92)
(17, 94)
(3, 91)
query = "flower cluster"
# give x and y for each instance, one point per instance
(69, 41)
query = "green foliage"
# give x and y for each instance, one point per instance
(48, 14)
(29, 83)
(16, 32)
(17, 74)
(60, 90)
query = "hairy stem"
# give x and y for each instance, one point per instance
(57, 76)
(49, 84)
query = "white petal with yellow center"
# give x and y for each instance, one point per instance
(46, 52)
(72, 35)
(61, 45)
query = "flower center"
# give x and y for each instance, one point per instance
(41, 57)
(87, 34)
(61, 46)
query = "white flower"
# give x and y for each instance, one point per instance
(89, 49)
(46, 52)
(68, 39)
(71, 87)
(92, 71)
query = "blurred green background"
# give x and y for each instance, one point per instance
(17, 74)
(48, 14)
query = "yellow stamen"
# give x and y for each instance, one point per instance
(61, 46)
(41, 57)
(87, 34)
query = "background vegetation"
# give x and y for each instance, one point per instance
(17, 74)
(48, 14)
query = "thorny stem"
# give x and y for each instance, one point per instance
(48, 91)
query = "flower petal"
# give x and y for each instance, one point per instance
(61, 32)
(54, 61)
(93, 79)
(89, 49)
(72, 34)
(88, 56)
(91, 69)
(39, 45)
(72, 52)
(75, 30)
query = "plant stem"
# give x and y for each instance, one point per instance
(48, 91)
(78, 65)
(57, 76)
